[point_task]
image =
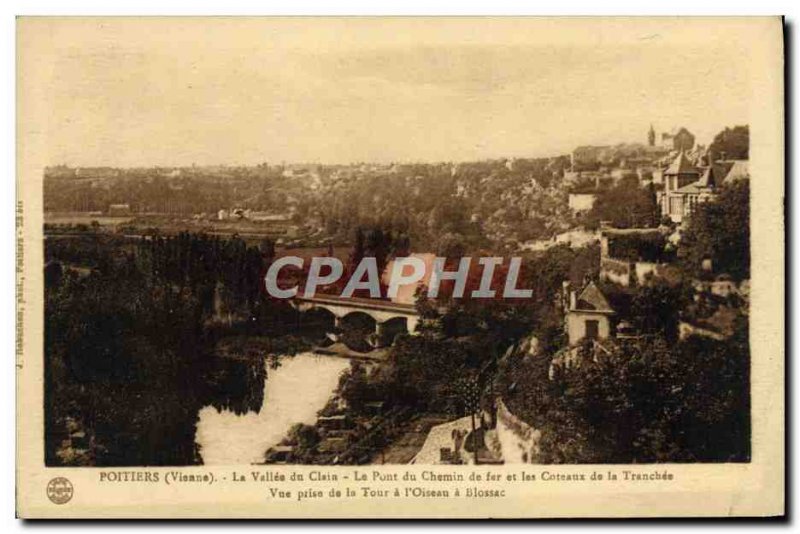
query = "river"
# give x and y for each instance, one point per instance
(293, 393)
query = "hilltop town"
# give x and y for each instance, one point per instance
(515, 200)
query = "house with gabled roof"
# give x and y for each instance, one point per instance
(588, 317)
(588, 314)
(680, 172)
(686, 186)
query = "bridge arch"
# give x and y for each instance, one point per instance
(319, 321)
(388, 330)
(358, 331)
(319, 315)
(358, 319)
(385, 320)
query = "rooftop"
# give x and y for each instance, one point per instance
(739, 170)
(592, 299)
(681, 165)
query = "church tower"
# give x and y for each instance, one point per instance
(651, 136)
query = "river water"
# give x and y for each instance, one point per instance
(293, 393)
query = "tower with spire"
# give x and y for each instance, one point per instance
(651, 136)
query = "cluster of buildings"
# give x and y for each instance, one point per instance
(683, 175)
(598, 311)
(687, 183)
(679, 170)
(238, 214)
(600, 165)
(591, 315)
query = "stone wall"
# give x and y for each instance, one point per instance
(519, 442)
(623, 272)
(617, 271)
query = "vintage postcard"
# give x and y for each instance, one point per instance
(400, 267)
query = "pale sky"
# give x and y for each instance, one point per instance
(175, 92)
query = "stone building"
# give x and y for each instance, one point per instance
(678, 139)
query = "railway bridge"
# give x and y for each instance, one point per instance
(391, 318)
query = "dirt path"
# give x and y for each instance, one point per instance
(404, 448)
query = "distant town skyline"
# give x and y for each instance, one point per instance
(338, 91)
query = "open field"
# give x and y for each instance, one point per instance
(83, 218)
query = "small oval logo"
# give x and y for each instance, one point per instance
(59, 490)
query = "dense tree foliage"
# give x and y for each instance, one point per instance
(649, 247)
(731, 143)
(121, 354)
(464, 339)
(129, 346)
(639, 402)
(625, 205)
(479, 202)
(720, 231)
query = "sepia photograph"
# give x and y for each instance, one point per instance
(355, 245)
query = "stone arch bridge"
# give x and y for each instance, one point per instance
(390, 317)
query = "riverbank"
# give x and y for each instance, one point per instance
(294, 392)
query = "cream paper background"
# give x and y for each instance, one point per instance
(750, 489)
